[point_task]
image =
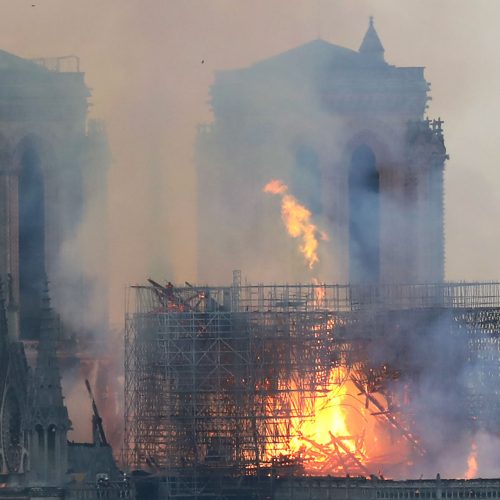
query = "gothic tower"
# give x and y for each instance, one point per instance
(347, 132)
(47, 420)
(46, 172)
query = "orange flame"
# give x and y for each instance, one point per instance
(297, 220)
(275, 187)
(331, 430)
(329, 424)
(319, 289)
(472, 463)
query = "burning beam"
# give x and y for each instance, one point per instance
(385, 412)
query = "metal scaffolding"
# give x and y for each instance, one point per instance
(212, 374)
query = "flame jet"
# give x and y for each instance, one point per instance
(297, 220)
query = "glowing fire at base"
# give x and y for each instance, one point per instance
(325, 443)
(333, 430)
(472, 463)
(297, 220)
(336, 428)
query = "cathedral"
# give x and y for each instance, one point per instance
(347, 133)
(52, 161)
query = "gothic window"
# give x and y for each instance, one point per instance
(51, 447)
(39, 434)
(364, 225)
(31, 241)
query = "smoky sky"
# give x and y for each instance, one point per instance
(150, 65)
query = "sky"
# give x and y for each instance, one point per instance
(150, 64)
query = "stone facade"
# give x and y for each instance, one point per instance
(374, 489)
(47, 159)
(34, 423)
(52, 165)
(346, 132)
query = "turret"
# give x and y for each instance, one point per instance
(371, 46)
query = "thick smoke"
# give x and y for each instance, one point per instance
(239, 225)
(271, 123)
(150, 69)
(431, 396)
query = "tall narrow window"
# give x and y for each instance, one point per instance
(31, 242)
(364, 223)
(51, 451)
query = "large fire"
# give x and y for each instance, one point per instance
(325, 441)
(297, 220)
(336, 429)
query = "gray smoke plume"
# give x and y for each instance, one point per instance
(150, 70)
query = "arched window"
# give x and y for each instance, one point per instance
(31, 240)
(39, 436)
(364, 219)
(51, 448)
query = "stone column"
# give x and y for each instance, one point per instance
(9, 237)
(61, 459)
(393, 222)
(335, 197)
(45, 455)
(411, 226)
(33, 451)
(64, 454)
(57, 457)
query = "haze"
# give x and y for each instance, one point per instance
(150, 65)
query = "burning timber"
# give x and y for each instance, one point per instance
(297, 381)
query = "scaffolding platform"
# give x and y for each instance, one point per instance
(216, 376)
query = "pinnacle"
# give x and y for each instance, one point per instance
(371, 46)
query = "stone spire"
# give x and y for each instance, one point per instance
(371, 46)
(47, 380)
(49, 416)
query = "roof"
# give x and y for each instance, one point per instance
(10, 62)
(317, 56)
(325, 73)
(316, 53)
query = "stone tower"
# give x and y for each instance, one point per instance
(347, 132)
(46, 170)
(47, 420)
